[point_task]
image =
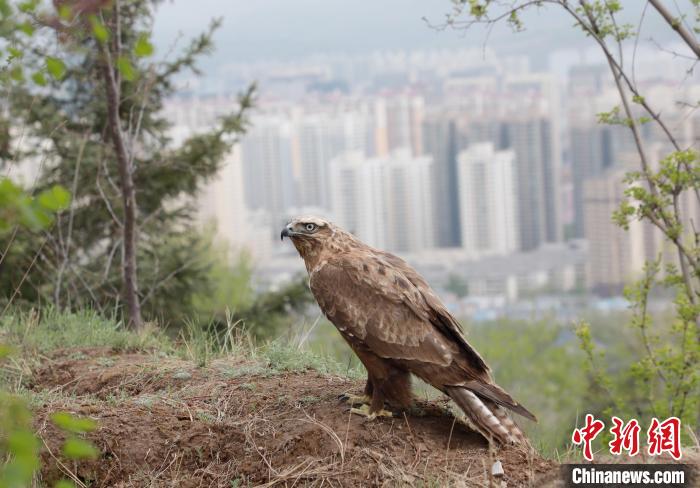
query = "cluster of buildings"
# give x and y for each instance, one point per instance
(470, 169)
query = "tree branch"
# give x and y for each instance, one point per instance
(678, 26)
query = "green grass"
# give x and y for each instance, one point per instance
(51, 330)
(283, 356)
(33, 335)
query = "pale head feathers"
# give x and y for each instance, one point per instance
(313, 236)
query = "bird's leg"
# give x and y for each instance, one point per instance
(376, 407)
(363, 399)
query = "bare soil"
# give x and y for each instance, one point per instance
(166, 422)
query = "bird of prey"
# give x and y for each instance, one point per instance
(398, 326)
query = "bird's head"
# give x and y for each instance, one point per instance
(309, 234)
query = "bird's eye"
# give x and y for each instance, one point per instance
(310, 227)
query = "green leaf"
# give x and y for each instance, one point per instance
(34, 217)
(65, 12)
(56, 67)
(64, 484)
(54, 199)
(17, 74)
(9, 191)
(98, 29)
(126, 68)
(71, 423)
(75, 448)
(14, 52)
(27, 28)
(143, 47)
(28, 6)
(22, 443)
(5, 9)
(39, 78)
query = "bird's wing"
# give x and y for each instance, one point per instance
(443, 320)
(381, 312)
(440, 317)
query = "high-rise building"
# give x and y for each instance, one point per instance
(399, 122)
(616, 255)
(387, 202)
(268, 173)
(537, 160)
(317, 139)
(222, 203)
(487, 198)
(594, 149)
(441, 142)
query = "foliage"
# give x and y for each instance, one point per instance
(19, 447)
(662, 378)
(18, 442)
(665, 371)
(18, 207)
(80, 264)
(229, 284)
(272, 312)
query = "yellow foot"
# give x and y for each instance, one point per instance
(355, 399)
(364, 411)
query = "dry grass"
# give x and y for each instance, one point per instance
(168, 422)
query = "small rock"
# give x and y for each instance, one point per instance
(498, 473)
(182, 375)
(497, 470)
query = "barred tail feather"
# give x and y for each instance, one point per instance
(515, 431)
(490, 419)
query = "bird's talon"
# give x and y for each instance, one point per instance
(364, 412)
(354, 399)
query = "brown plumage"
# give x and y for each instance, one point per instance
(397, 326)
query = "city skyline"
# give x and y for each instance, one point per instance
(431, 110)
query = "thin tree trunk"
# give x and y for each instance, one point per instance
(125, 166)
(618, 75)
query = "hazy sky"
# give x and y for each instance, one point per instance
(287, 29)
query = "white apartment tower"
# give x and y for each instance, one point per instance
(487, 199)
(386, 202)
(318, 138)
(268, 173)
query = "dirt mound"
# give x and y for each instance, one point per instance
(164, 422)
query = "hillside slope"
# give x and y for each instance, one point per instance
(165, 422)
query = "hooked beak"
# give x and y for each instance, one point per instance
(286, 232)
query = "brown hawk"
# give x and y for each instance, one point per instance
(397, 326)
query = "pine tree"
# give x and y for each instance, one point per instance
(127, 240)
